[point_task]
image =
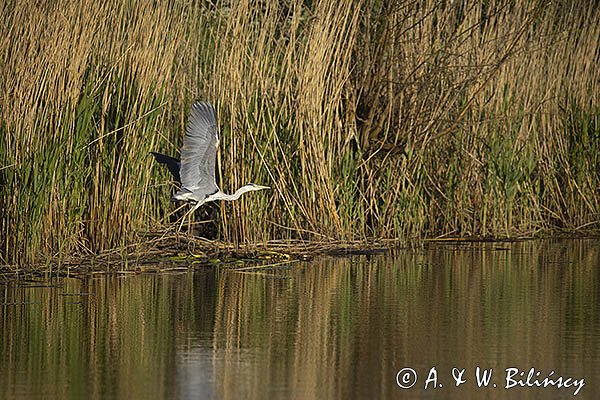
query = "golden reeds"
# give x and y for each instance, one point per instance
(369, 119)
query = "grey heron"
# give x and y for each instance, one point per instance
(196, 170)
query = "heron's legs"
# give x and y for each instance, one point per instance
(176, 210)
(189, 214)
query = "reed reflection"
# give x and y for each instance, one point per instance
(337, 328)
(343, 328)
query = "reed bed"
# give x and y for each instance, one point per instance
(370, 119)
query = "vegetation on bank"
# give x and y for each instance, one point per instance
(369, 118)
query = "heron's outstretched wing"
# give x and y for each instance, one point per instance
(199, 152)
(173, 164)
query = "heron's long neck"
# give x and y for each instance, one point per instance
(238, 193)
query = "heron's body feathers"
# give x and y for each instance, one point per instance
(196, 170)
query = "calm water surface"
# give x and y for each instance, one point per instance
(331, 328)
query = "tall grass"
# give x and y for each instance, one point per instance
(368, 118)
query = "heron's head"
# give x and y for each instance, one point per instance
(254, 186)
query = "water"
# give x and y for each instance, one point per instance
(331, 328)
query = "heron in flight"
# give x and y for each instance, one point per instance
(196, 170)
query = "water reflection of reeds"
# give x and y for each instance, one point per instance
(346, 327)
(337, 328)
